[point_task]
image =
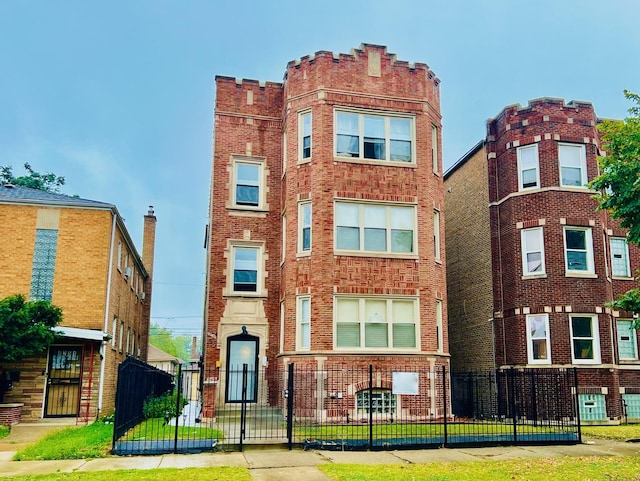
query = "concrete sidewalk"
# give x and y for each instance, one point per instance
(273, 464)
(283, 465)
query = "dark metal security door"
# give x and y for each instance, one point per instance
(63, 381)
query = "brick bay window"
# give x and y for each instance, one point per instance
(304, 135)
(573, 165)
(585, 341)
(374, 137)
(370, 227)
(375, 323)
(578, 250)
(528, 170)
(532, 252)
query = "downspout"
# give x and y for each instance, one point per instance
(106, 315)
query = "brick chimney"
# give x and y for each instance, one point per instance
(148, 249)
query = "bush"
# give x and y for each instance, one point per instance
(160, 406)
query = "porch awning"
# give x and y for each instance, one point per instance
(77, 333)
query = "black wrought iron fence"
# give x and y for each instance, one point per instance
(342, 407)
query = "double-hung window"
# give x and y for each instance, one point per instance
(304, 123)
(538, 346)
(627, 345)
(245, 268)
(375, 323)
(439, 333)
(573, 165)
(619, 257)
(528, 167)
(304, 227)
(578, 250)
(375, 227)
(375, 137)
(585, 341)
(248, 184)
(532, 251)
(304, 323)
(436, 234)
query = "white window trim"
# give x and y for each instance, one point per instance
(301, 207)
(437, 247)
(520, 166)
(114, 331)
(583, 166)
(373, 113)
(362, 252)
(119, 266)
(300, 341)
(262, 183)
(530, 340)
(595, 339)
(261, 290)
(284, 152)
(627, 275)
(634, 340)
(525, 251)
(390, 321)
(301, 116)
(590, 271)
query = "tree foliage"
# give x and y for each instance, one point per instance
(26, 327)
(619, 183)
(165, 339)
(48, 182)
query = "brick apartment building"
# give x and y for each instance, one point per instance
(77, 254)
(532, 263)
(327, 243)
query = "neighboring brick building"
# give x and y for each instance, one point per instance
(78, 254)
(326, 214)
(520, 201)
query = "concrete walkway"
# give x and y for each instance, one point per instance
(271, 464)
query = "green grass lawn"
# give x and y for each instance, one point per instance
(155, 429)
(169, 474)
(615, 433)
(92, 441)
(361, 431)
(4, 431)
(566, 469)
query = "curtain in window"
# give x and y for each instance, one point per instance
(348, 135)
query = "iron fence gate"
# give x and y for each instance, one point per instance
(346, 408)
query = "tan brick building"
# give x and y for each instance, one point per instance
(532, 263)
(78, 254)
(326, 218)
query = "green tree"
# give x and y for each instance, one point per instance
(174, 344)
(49, 182)
(619, 184)
(26, 331)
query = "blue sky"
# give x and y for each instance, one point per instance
(118, 96)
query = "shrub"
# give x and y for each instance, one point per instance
(161, 406)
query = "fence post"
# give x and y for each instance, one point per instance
(290, 387)
(512, 397)
(577, 403)
(444, 399)
(370, 406)
(243, 404)
(178, 407)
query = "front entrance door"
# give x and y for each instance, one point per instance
(63, 381)
(242, 349)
